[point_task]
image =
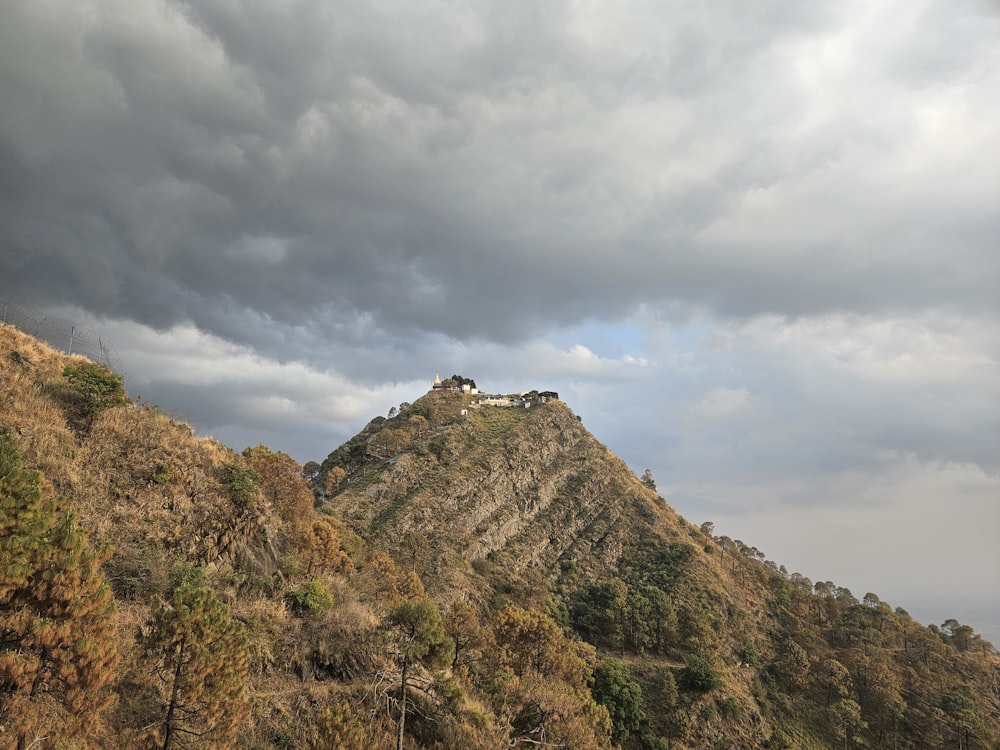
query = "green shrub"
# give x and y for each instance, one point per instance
(185, 574)
(615, 689)
(92, 388)
(310, 598)
(137, 571)
(99, 386)
(243, 483)
(163, 473)
(679, 724)
(698, 675)
(747, 654)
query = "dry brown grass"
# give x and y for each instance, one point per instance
(28, 370)
(144, 475)
(144, 483)
(135, 471)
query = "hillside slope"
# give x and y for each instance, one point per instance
(525, 505)
(530, 487)
(494, 578)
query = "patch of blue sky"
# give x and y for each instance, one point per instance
(639, 338)
(606, 340)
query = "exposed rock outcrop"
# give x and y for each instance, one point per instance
(529, 486)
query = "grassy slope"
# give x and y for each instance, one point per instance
(143, 483)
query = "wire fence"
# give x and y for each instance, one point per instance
(58, 333)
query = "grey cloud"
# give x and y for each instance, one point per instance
(371, 148)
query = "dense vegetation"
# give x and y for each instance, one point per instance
(488, 580)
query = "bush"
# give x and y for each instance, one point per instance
(747, 654)
(243, 483)
(615, 689)
(698, 675)
(311, 598)
(163, 473)
(679, 724)
(92, 388)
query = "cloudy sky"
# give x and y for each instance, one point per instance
(754, 245)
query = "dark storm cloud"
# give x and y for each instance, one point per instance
(483, 174)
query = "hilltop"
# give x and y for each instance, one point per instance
(498, 567)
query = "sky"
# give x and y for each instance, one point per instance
(754, 245)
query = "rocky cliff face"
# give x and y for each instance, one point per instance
(530, 488)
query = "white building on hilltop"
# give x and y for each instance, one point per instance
(465, 387)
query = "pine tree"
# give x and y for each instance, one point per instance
(198, 654)
(420, 641)
(322, 550)
(57, 616)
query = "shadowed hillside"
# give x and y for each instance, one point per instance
(457, 575)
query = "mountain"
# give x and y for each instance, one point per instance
(524, 504)
(460, 574)
(527, 489)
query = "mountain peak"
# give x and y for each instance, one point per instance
(511, 483)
